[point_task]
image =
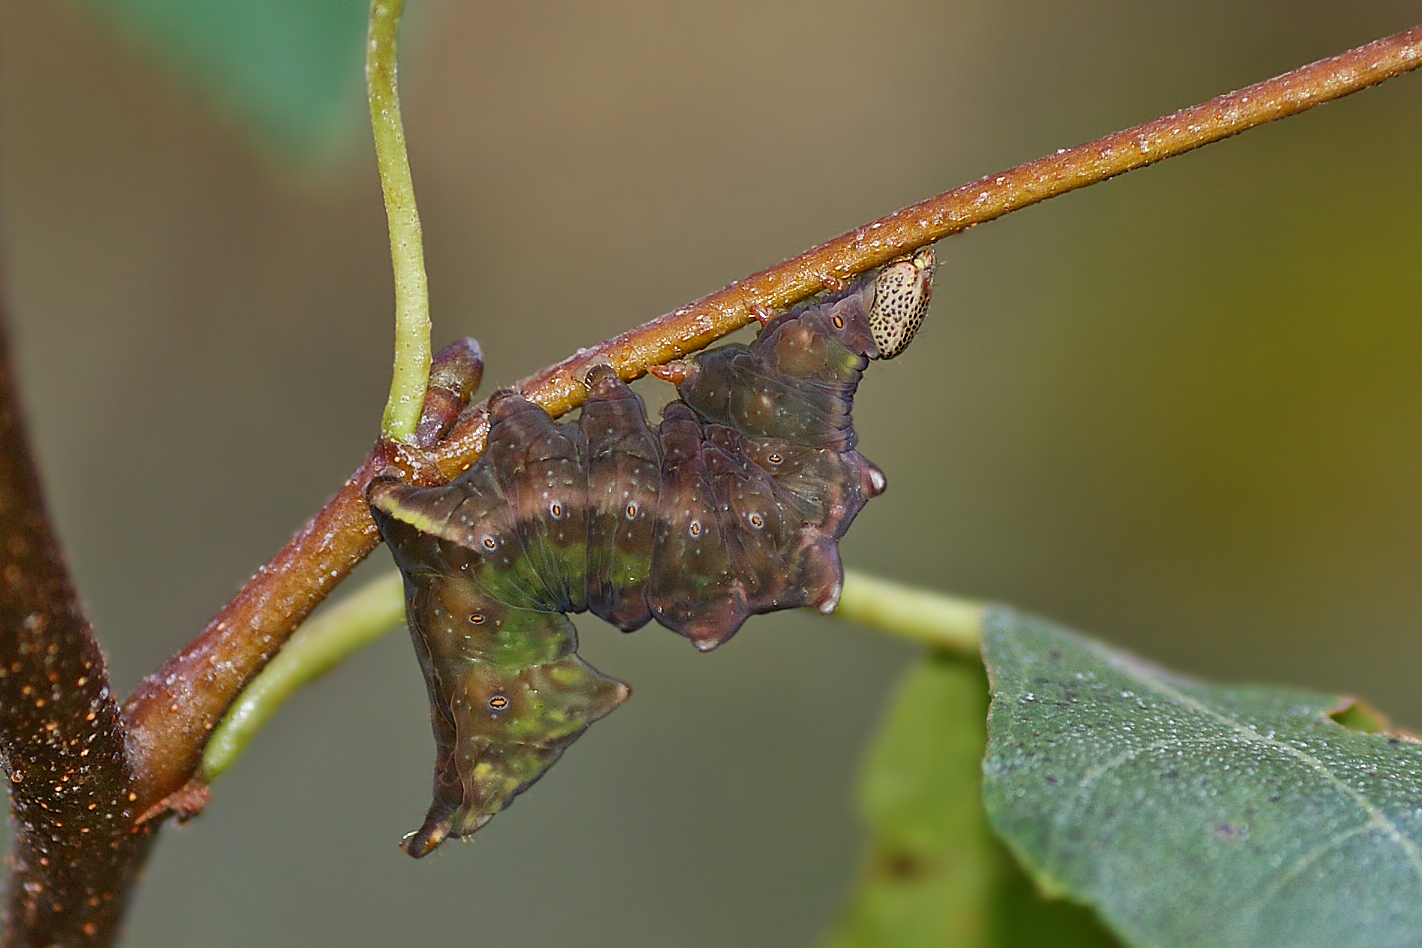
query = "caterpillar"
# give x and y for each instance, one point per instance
(731, 507)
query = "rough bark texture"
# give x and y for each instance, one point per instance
(75, 853)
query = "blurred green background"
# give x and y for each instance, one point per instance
(1181, 411)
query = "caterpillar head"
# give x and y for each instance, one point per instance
(901, 293)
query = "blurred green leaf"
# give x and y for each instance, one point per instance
(934, 875)
(1198, 815)
(290, 70)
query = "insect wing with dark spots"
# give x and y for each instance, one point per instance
(902, 291)
(731, 507)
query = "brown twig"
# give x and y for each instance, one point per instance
(173, 710)
(75, 852)
(559, 388)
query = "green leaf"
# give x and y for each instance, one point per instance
(1199, 815)
(288, 69)
(934, 875)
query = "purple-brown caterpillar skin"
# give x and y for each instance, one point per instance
(731, 507)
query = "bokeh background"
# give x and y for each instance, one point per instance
(1181, 410)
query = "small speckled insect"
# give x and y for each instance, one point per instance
(732, 506)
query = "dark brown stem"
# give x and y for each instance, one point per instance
(174, 709)
(75, 854)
